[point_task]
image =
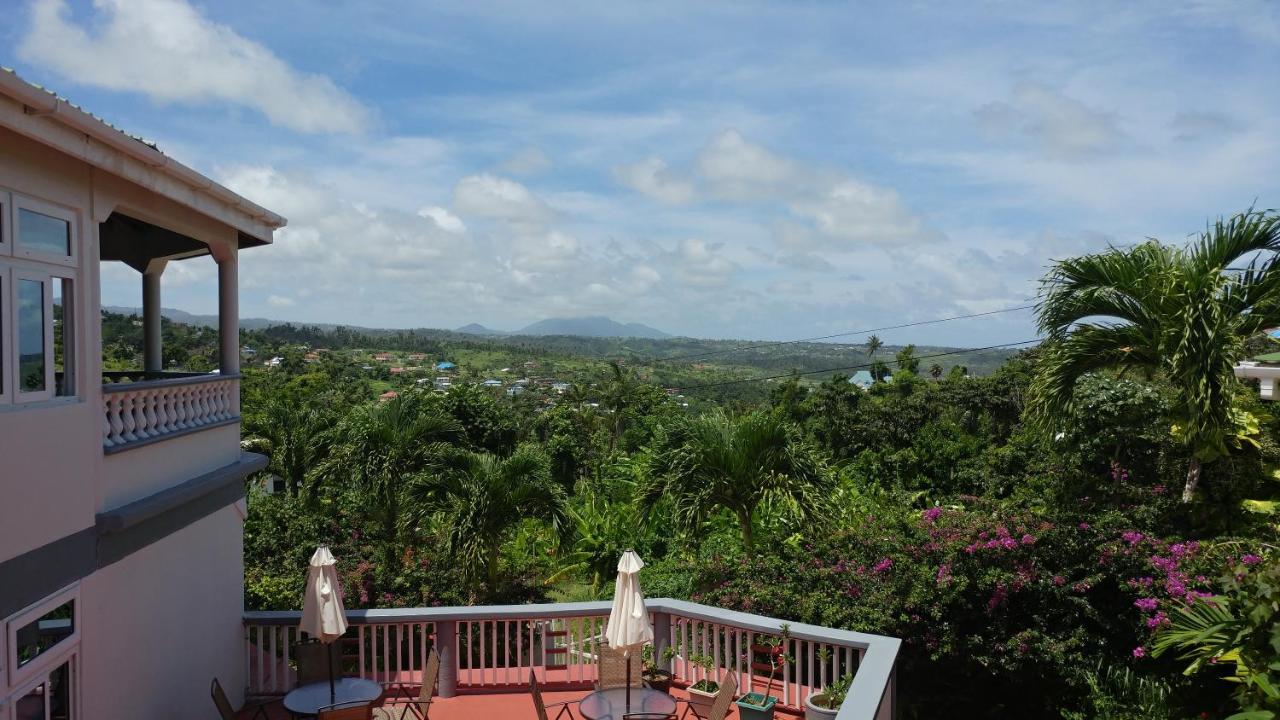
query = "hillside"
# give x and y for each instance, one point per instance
(596, 326)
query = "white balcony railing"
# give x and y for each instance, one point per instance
(496, 647)
(138, 412)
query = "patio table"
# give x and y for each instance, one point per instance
(308, 699)
(611, 704)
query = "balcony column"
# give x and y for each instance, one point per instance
(888, 709)
(446, 647)
(661, 639)
(153, 343)
(228, 311)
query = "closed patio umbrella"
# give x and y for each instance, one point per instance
(628, 629)
(323, 616)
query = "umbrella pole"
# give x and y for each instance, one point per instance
(628, 681)
(332, 693)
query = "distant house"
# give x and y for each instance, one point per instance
(274, 362)
(560, 386)
(384, 357)
(445, 365)
(492, 382)
(311, 357)
(388, 396)
(419, 357)
(443, 383)
(397, 371)
(862, 379)
(531, 364)
(246, 350)
(515, 390)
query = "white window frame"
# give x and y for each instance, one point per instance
(70, 656)
(6, 228)
(6, 324)
(19, 676)
(22, 202)
(46, 280)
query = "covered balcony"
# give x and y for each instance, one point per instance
(488, 652)
(149, 404)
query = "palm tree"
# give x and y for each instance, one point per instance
(616, 395)
(873, 345)
(1179, 312)
(380, 448)
(482, 498)
(736, 464)
(295, 432)
(935, 371)
(907, 359)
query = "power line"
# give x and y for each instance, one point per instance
(711, 353)
(853, 367)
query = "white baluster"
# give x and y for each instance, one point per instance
(181, 408)
(149, 413)
(164, 420)
(106, 423)
(127, 416)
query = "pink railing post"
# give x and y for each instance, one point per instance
(447, 648)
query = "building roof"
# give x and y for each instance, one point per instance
(1269, 358)
(42, 103)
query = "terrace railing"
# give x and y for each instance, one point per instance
(139, 409)
(494, 648)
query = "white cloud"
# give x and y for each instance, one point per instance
(444, 219)
(167, 50)
(652, 177)
(489, 196)
(1062, 126)
(529, 161)
(280, 301)
(740, 170)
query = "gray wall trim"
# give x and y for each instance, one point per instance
(34, 575)
(168, 436)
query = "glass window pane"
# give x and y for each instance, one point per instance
(50, 700)
(36, 638)
(63, 343)
(31, 360)
(45, 233)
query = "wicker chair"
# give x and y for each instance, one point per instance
(224, 706)
(346, 711)
(540, 706)
(613, 669)
(419, 706)
(720, 706)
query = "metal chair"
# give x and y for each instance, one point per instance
(346, 711)
(224, 705)
(720, 706)
(540, 706)
(613, 670)
(420, 706)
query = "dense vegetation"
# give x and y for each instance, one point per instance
(1025, 532)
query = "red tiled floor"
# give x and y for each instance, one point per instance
(491, 706)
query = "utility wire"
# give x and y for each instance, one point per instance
(852, 367)
(710, 353)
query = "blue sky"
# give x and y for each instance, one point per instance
(714, 169)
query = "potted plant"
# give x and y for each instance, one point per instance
(825, 705)
(702, 694)
(761, 706)
(654, 676)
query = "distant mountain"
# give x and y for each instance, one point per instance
(478, 329)
(186, 318)
(596, 326)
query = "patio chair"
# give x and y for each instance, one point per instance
(224, 706)
(613, 669)
(419, 706)
(346, 711)
(720, 706)
(312, 658)
(540, 706)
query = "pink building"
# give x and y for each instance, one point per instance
(121, 571)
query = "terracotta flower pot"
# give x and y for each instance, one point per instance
(701, 700)
(659, 680)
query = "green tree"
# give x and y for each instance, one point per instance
(873, 345)
(483, 498)
(378, 448)
(935, 371)
(1179, 312)
(907, 359)
(716, 462)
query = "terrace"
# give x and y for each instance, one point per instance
(487, 653)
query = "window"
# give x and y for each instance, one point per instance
(38, 351)
(32, 358)
(51, 698)
(43, 231)
(41, 639)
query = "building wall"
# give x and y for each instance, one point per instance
(143, 471)
(162, 623)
